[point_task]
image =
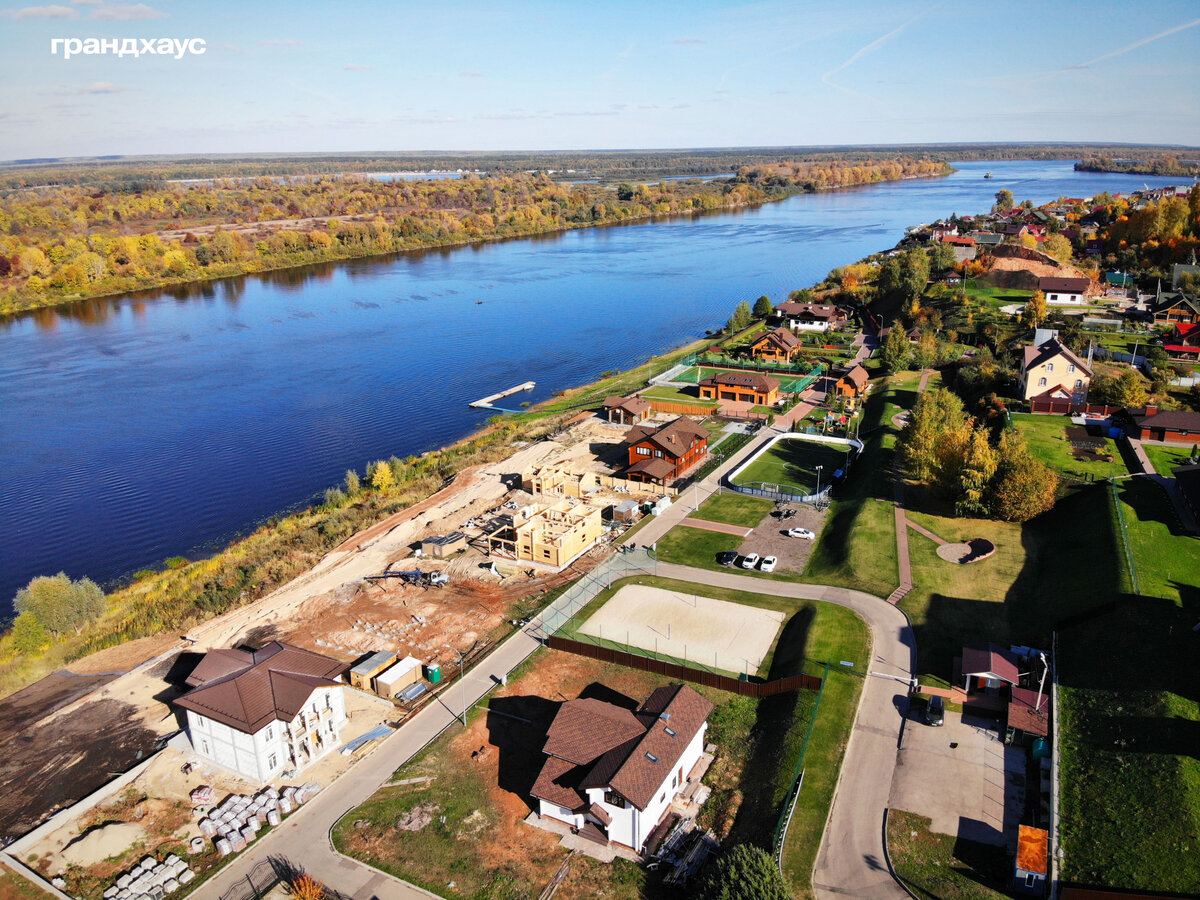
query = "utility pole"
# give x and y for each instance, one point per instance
(463, 682)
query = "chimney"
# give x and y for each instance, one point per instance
(1151, 409)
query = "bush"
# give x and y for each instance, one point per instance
(60, 604)
(744, 873)
(176, 562)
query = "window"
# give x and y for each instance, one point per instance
(271, 762)
(200, 722)
(1030, 879)
(1078, 384)
(674, 781)
(658, 453)
(1071, 369)
(1041, 382)
(270, 735)
(650, 756)
(612, 798)
(204, 748)
(670, 732)
(1049, 367)
(643, 451)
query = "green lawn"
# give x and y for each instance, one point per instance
(1130, 715)
(696, 547)
(792, 464)
(675, 395)
(1164, 458)
(981, 290)
(14, 887)
(940, 867)
(1047, 440)
(733, 509)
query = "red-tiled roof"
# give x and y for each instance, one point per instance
(678, 709)
(584, 730)
(780, 337)
(674, 438)
(1022, 715)
(652, 466)
(634, 405)
(989, 659)
(275, 683)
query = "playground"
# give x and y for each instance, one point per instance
(730, 637)
(791, 463)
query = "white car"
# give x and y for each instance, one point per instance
(801, 533)
(749, 562)
(768, 564)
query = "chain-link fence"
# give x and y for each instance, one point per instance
(620, 565)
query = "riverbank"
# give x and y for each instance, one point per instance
(242, 232)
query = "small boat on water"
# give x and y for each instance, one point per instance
(987, 174)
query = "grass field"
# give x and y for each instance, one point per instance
(675, 395)
(792, 464)
(1047, 440)
(1130, 715)
(940, 867)
(1164, 458)
(14, 887)
(733, 509)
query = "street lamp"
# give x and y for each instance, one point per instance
(463, 682)
(819, 480)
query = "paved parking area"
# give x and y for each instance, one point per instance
(962, 777)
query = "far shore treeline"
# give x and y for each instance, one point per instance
(60, 243)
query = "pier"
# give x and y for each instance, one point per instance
(490, 401)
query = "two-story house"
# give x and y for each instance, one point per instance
(779, 345)
(810, 316)
(1050, 370)
(1176, 309)
(1184, 342)
(659, 454)
(743, 387)
(612, 773)
(260, 712)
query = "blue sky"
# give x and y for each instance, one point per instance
(570, 75)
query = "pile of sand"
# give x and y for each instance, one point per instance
(103, 843)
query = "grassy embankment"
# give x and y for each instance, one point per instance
(759, 743)
(939, 867)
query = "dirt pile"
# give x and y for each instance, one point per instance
(103, 843)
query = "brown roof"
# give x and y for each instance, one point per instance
(652, 466)
(988, 659)
(635, 766)
(812, 310)
(274, 683)
(673, 438)
(218, 664)
(762, 383)
(1035, 356)
(780, 337)
(857, 376)
(584, 730)
(1051, 284)
(635, 405)
(1022, 715)
(1170, 419)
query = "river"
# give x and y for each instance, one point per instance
(136, 428)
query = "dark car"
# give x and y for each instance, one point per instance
(935, 713)
(728, 558)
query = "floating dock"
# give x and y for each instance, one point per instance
(490, 401)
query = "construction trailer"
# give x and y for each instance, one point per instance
(362, 674)
(395, 679)
(443, 546)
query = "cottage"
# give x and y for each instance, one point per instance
(627, 410)
(1063, 291)
(987, 238)
(259, 712)
(987, 667)
(612, 773)
(853, 383)
(810, 316)
(659, 454)
(744, 387)
(1050, 370)
(1177, 426)
(779, 345)
(1184, 341)
(964, 247)
(1175, 309)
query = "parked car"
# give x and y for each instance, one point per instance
(728, 558)
(935, 713)
(801, 533)
(768, 564)
(749, 562)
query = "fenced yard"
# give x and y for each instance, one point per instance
(792, 465)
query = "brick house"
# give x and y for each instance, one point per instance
(1051, 371)
(744, 387)
(1177, 426)
(259, 712)
(611, 773)
(659, 454)
(779, 345)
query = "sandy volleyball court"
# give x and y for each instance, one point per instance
(699, 629)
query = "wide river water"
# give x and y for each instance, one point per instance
(136, 428)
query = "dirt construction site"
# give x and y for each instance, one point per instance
(113, 709)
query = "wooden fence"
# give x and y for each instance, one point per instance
(686, 673)
(681, 409)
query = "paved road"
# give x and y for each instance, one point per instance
(303, 839)
(852, 860)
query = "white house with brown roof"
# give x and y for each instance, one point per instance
(1063, 291)
(1050, 370)
(259, 713)
(612, 773)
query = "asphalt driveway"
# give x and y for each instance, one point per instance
(961, 776)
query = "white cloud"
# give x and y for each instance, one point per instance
(1143, 42)
(40, 12)
(126, 12)
(86, 2)
(827, 78)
